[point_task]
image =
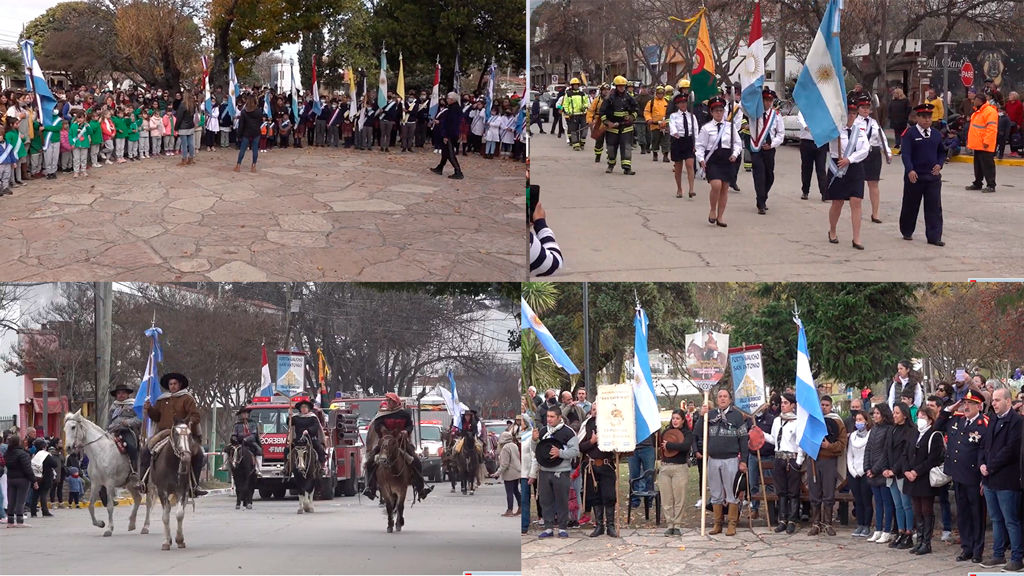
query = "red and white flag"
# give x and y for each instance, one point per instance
(266, 384)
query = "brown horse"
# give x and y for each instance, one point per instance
(448, 465)
(306, 472)
(171, 476)
(394, 476)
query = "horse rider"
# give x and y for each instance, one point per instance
(395, 419)
(175, 404)
(125, 424)
(308, 421)
(244, 435)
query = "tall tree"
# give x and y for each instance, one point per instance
(74, 37)
(313, 44)
(158, 40)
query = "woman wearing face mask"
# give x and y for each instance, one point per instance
(876, 460)
(904, 437)
(923, 455)
(856, 465)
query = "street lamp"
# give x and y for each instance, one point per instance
(946, 47)
(45, 385)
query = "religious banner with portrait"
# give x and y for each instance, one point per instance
(616, 419)
(706, 357)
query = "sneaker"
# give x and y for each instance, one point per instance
(860, 532)
(698, 504)
(546, 534)
(563, 534)
(993, 562)
(947, 536)
(875, 536)
(1013, 566)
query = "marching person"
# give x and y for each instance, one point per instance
(175, 405)
(675, 472)
(247, 435)
(717, 148)
(727, 455)
(654, 115)
(878, 142)
(923, 156)
(847, 176)
(769, 134)
(1000, 466)
(598, 477)
(618, 113)
(594, 120)
(824, 471)
(813, 160)
(392, 418)
(125, 423)
(734, 114)
(574, 107)
(981, 138)
(450, 129)
(789, 457)
(683, 129)
(964, 429)
(921, 457)
(555, 445)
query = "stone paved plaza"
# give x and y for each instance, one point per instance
(308, 214)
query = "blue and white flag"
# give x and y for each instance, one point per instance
(317, 105)
(232, 88)
(456, 408)
(34, 80)
(648, 416)
(268, 99)
(207, 99)
(295, 97)
(490, 89)
(810, 422)
(820, 90)
(382, 87)
(530, 320)
(149, 387)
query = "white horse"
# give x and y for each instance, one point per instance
(107, 468)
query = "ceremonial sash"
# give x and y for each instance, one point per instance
(833, 167)
(756, 145)
(8, 150)
(700, 171)
(83, 130)
(333, 116)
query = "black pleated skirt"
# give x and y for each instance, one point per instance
(851, 185)
(873, 165)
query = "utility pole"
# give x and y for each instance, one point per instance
(591, 392)
(103, 309)
(288, 316)
(780, 55)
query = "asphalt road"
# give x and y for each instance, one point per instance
(446, 534)
(613, 227)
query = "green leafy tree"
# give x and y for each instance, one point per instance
(856, 332)
(74, 37)
(313, 43)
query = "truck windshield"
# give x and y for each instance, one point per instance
(271, 420)
(432, 433)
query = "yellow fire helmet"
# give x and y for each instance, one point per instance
(684, 83)
(668, 88)
(619, 81)
(574, 81)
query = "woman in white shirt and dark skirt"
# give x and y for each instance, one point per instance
(846, 175)
(683, 128)
(718, 147)
(878, 144)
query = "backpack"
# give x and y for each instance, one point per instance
(37, 463)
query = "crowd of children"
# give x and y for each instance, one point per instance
(93, 128)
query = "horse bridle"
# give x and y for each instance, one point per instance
(388, 462)
(76, 446)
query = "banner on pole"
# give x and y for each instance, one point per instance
(290, 372)
(616, 420)
(747, 377)
(706, 359)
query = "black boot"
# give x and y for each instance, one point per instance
(609, 517)
(928, 527)
(144, 460)
(598, 521)
(783, 504)
(197, 468)
(371, 483)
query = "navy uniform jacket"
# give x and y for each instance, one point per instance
(1000, 452)
(963, 442)
(920, 154)
(452, 123)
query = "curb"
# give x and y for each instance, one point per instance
(1003, 162)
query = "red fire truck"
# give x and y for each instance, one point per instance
(344, 458)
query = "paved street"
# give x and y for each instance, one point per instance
(446, 534)
(309, 214)
(615, 227)
(643, 552)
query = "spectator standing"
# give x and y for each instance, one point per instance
(965, 428)
(899, 115)
(789, 458)
(925, 454)
(903, 435)
(856, 472)
(19, 477)
(905, 380)
(510, 472)
(44, 466)
(1000, 467)
(727, 439)
(526, 464)
(599, 474)
(764, 421)
(75, 488)
(876, 462)
(981, 138)
(821, 485)
(556, 446)
(675, 473)
(581, 400)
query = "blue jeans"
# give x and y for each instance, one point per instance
(525, 507)
(1004, 510)
(491, 145)
(3, 509)
(188, 146)
(947, 514)
(754, 478)
(246, 144)
(641, 460)
(904, 507)
(885, 509)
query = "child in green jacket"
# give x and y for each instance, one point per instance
(35, 151)
(14, 138)
(133, 135)
(79, 133)
(51, 147)
(120, 135)
(95, 138)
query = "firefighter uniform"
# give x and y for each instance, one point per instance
(620, 108)
(594, 113)
(963, 442)
(574, 108)
(655, 116)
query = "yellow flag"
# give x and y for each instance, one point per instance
(401, 77)
(583, 77)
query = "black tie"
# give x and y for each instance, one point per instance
(926, 132)
(719, 130)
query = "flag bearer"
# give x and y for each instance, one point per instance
(768, 135)
(923, 155)
(618, 113)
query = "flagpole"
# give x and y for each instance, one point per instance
(704, 470)
(149, 392)
(30, 67)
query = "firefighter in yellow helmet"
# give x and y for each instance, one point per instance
(618, 113)
(655, 116)
(574, 107)
(594, 119)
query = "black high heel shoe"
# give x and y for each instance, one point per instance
(858, 246)
(876, 220)
(832, 240)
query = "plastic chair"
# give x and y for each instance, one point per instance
(648, 475)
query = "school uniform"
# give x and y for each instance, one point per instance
(408, 131)
(734, 114)
(390, 115)
(851, 183)
(79, 134)
(334, 127)
(922, 150)
(813, 159)
(878, 143)
(683, 129)
(51, 146)
(715, 144)
(763, 161)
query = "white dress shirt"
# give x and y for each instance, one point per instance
(783, 437)
(708, 135)
(805, 132)
(776, 132)
(874, 134)
(683, 124)
(860, 146)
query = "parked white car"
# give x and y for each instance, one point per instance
(790, 121)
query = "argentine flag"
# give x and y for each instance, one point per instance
(382, 87)
(561, 359)
(45, 102)
(648, 417)
(456, 407)
(232, 88)
(810, 422)
(149, 387)
(820, 90)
